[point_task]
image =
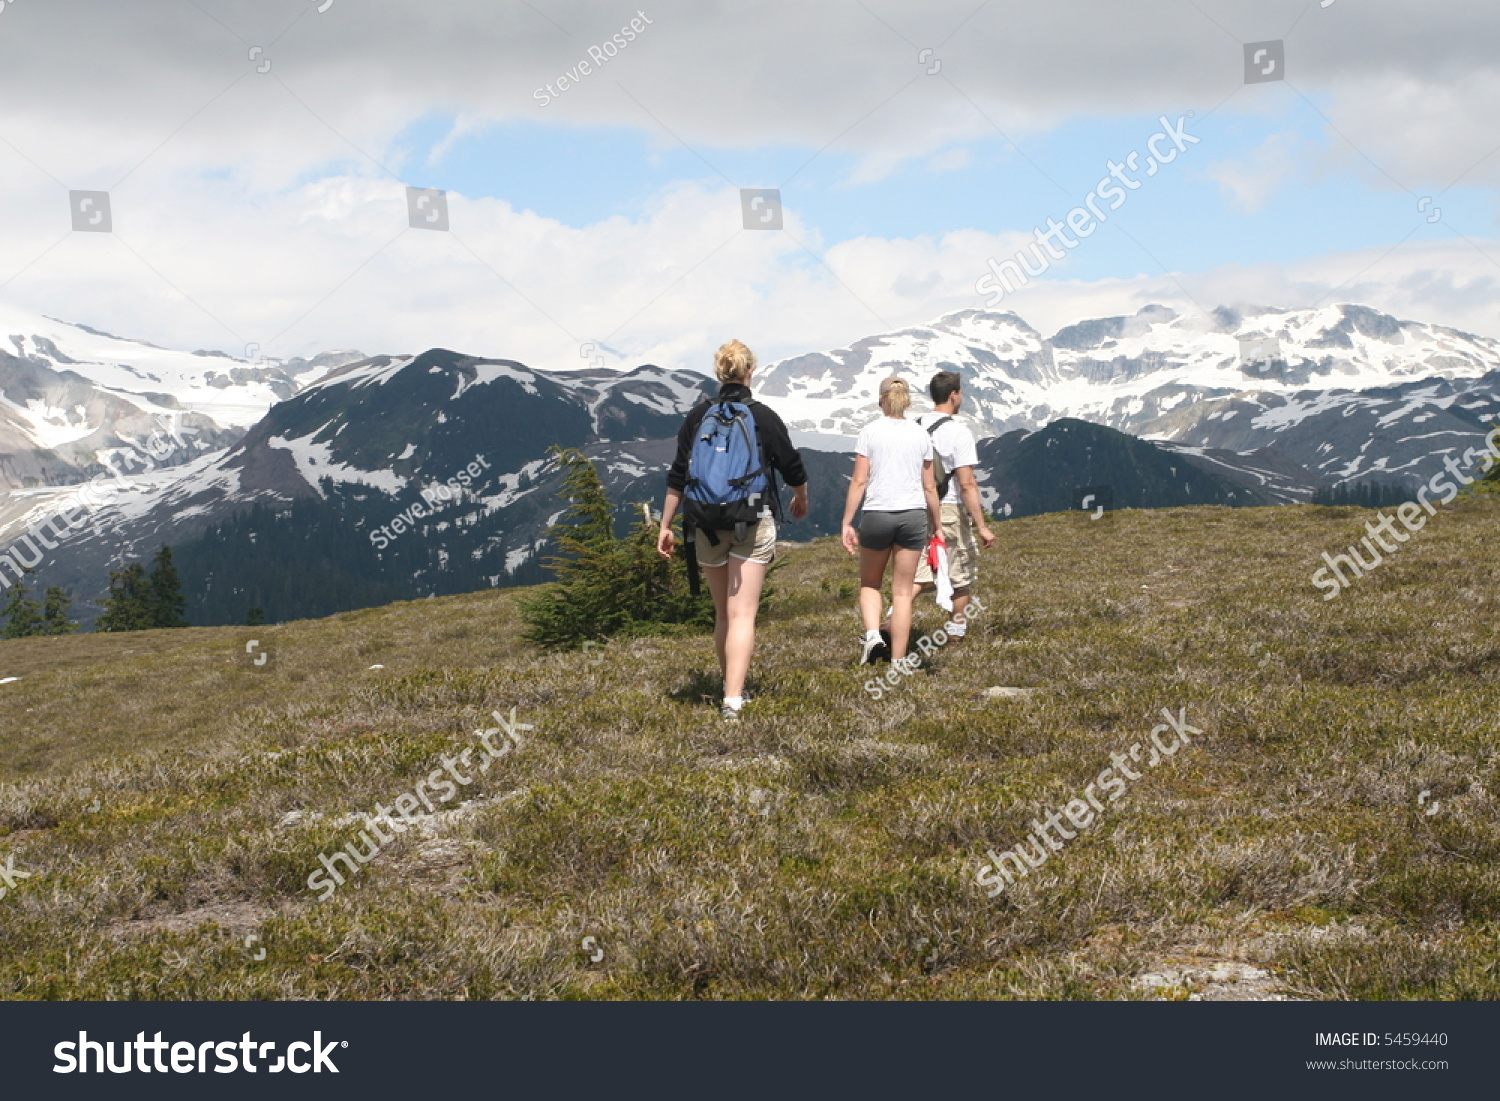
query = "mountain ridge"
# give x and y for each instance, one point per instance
(366, 437)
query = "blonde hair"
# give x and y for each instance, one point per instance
(895, 396)
(733, 362)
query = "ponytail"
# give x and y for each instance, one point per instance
(895, 396)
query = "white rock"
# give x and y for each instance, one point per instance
(998, 693)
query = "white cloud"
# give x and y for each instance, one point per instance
(1442, 281)
(322, 267)
(1250, 183)
(271, 200)
(949, 160)
(93, 85)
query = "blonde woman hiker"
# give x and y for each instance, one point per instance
(893, 477)
(723, 480)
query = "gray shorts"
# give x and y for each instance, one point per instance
(906, 530)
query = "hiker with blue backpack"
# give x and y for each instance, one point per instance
(729, 451)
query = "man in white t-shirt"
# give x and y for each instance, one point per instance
(963, 514)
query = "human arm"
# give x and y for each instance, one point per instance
(968, 491)
(799, 501)
(776, 443)
(934, 507)
(852, 499)
(666, 540)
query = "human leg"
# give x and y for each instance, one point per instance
(903, 593)
(718, 587)
(745, 579)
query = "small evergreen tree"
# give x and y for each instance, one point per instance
(139, 601)
(167, 604)
(255, 617)
(23, 618)
(56, 603)
(128, 605)
(656, 587)
(605, 586)
(1363, 494)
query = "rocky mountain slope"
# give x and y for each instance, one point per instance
(1344, 390)
(389, 477)
(451, 446)
(394, 478)
(72, 398)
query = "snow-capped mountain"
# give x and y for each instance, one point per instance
(370, 443)
(335, 497)
(398, 477)
(1398, 434)
(1177, 377)
(71, 397)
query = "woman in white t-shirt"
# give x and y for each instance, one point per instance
(893, 476)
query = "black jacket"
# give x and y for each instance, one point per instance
(775, 444)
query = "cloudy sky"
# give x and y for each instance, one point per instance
(257, 155)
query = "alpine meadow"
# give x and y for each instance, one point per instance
(1331, 835)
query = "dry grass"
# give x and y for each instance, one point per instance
(827, 845)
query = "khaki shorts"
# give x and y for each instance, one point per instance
(759, 545)
(963, 551)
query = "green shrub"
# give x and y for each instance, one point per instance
(605, 585)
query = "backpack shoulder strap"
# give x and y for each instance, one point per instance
(767, 467)
(697, 424)
(759, 456)
(947, 479)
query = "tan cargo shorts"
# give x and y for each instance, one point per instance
(963, 550)
(759, 545)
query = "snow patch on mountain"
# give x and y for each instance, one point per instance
(1122, 371)
(315, 462)
(233, 391)
(485, 373)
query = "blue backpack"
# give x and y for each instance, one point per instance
(728, 486)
